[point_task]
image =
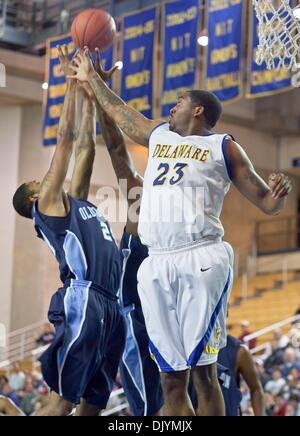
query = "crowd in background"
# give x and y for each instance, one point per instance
(278, 368)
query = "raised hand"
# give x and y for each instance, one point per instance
(82, 66)
(280, 185)
(105, 75)
(64, 59)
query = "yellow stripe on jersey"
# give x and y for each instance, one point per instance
(183, 151)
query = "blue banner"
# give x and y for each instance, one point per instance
(180, 30)
(224, 54)
(55, 95)
(138, 58)
(262, 82)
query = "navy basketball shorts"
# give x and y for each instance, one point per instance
(83, 360)
(139, 373)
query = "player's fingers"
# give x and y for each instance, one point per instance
(98, 60)
(74, 67)
(112, 70)
(60, 52)
(66, 50)
(80, 55)
(277, 183)
(282, 187)
(86, 52)
(283, 192)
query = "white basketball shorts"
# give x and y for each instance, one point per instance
(184, 296)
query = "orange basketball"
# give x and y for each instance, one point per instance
(94, 28)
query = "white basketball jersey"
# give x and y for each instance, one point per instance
(185, 183)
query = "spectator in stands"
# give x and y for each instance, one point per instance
(245, 331)
(17, 377)
(280, 406)
(276, 357)
(11, 394)
(291, 361)
(29, 399)
(276, 385)
(269, 404)
(282, 340)
(295, 402)
(46, 336)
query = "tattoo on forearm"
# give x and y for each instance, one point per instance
(127, 119)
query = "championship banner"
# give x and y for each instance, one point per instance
(57, 85)
(180, 33)
(262, 82)
(224, 53)
(138, 37)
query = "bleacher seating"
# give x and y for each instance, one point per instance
(269, 306)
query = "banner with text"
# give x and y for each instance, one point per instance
(55, 78)
(262, 82)
(180, 30)
(224, 53)
(138, 58)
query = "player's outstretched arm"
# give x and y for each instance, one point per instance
(133, 123)
(52, 201)
(246, 367)
(269, 197)
(85, 150)
(120, 157)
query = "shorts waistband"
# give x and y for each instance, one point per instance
(91, 285)
(184, 247)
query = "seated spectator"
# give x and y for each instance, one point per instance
(276, 385)
(245, 331)
(282, 340)
(29, 398)
(11, 394)
(276, 357)
(280, 406)
(290, 361)
(17, 377)
(46, 337)
(269, 403)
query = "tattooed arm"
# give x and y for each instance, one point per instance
(271, 197)
(85, 145)
(52, 199)
(133, 123)
(123, 166)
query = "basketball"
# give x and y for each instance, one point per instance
(94, 28)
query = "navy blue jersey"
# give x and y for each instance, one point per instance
(133, 253)
(82, 243)
(227, 362)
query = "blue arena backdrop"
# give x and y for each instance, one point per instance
(262, 82)
(139, 30)
(180, 26)
(224, 74)
(54, 97)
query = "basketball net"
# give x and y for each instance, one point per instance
(278, 33)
